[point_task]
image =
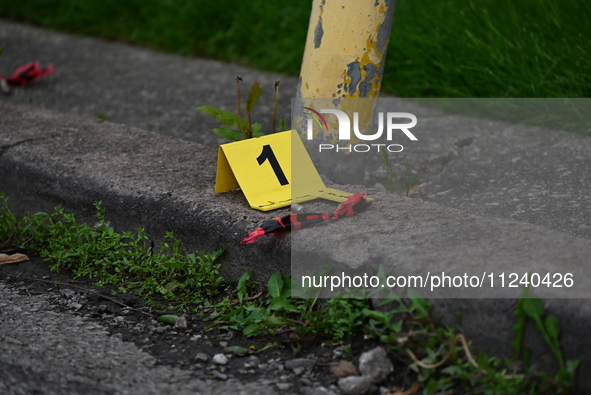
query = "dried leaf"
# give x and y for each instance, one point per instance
(414, 190)
(343, 369)
(14, 258)
(181, 323)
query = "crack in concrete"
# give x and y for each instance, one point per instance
(446, 159)
(436, 166)
(4, 148)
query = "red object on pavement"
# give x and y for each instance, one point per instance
(27, 73)
(353, 205)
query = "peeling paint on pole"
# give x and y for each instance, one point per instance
(318, 30)
(346, 47)
(345, 55)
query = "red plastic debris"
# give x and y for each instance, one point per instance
(353, 205)
(27, 73)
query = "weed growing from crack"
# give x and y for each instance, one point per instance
(549, 327)
(408, 175)
(391, 176)
(439, 357)
(389, 171)
(237, 128)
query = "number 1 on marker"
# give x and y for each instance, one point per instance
(268, 154)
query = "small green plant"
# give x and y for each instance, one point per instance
(126, 260)
(101, 117)
(251, 316)
(10, 227)
(236, 127)
(408, 174)
(391, 176)
(440, 357)
(549, 327)
(389, 171)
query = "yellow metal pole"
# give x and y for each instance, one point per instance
(343, 61)
(346, 48)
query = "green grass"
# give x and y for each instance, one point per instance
(446, 48)
(491, 48)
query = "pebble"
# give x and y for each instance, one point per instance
(181, 323)
(375, 364)
(338, 352)
(298, 371)
(300, 363)
(75, 305)
(220, 376)
(229, 335)
(252, 362)
(321, 390)
(379, 187)
(275, 366)
(355, 385)
(67, 292)
(220, 359)
(201, 356)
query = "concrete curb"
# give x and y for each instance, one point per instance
(143, 180)
(163, 183)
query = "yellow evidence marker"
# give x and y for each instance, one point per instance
(262, 168)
